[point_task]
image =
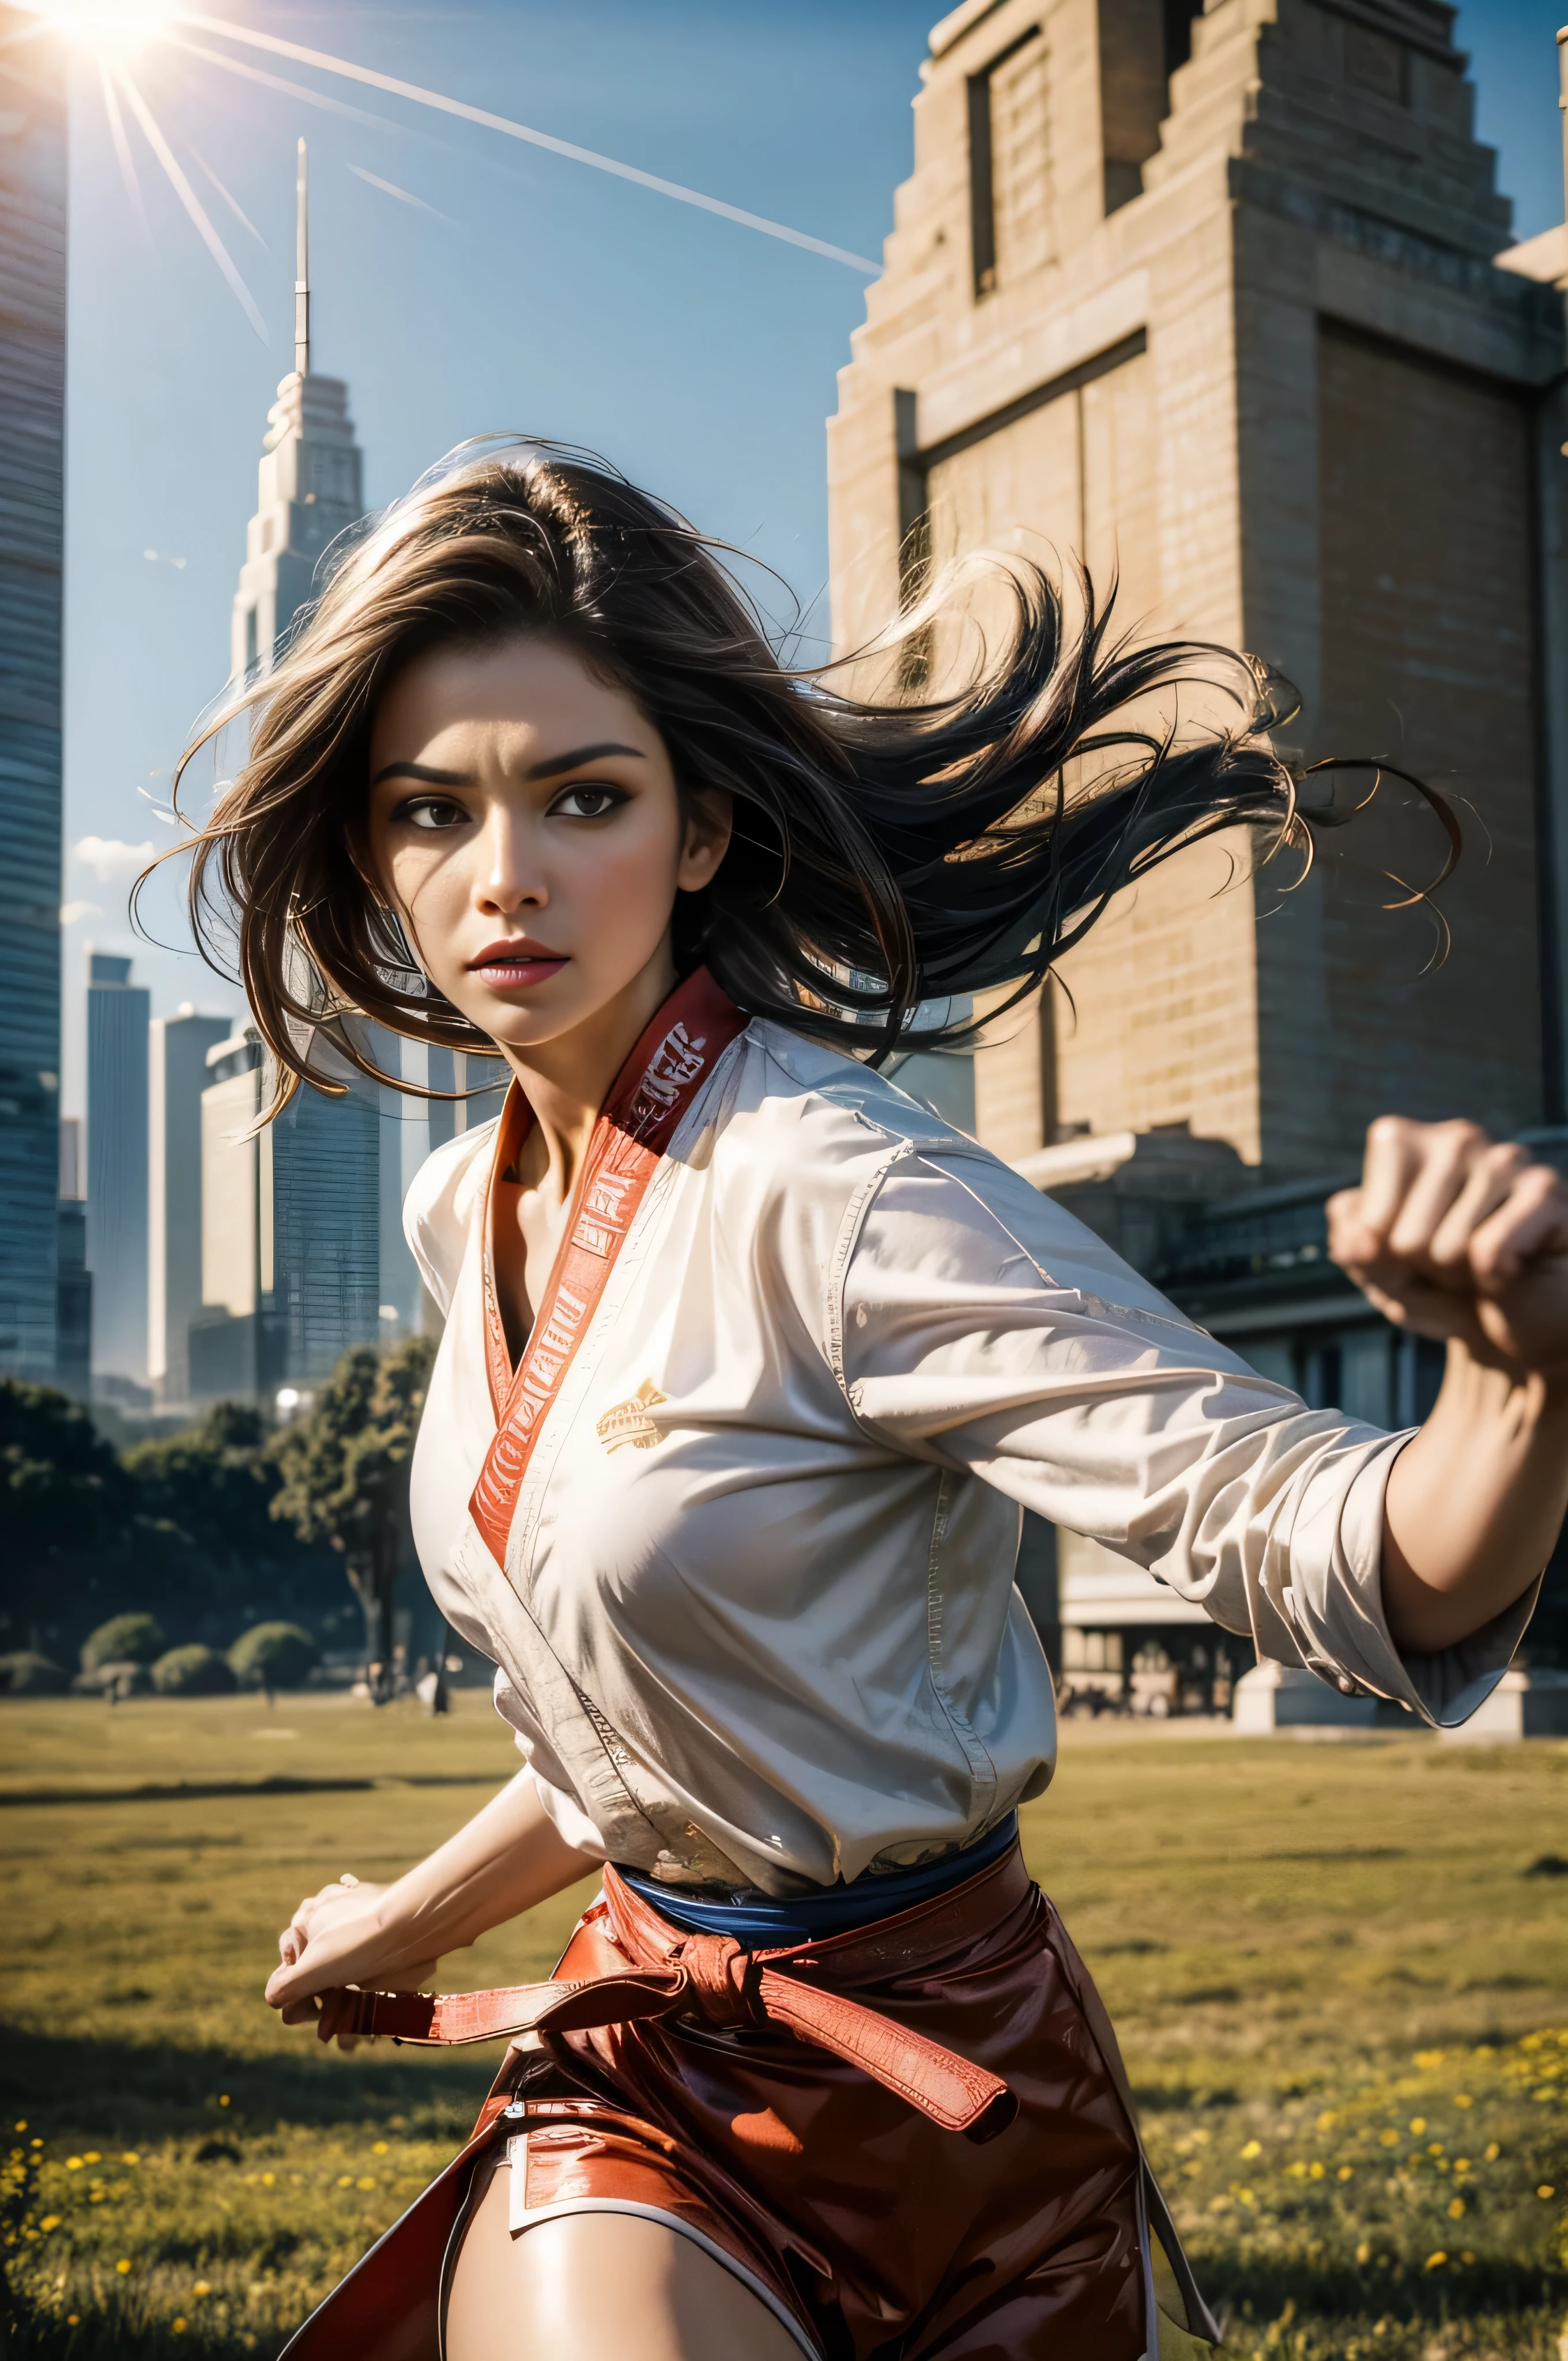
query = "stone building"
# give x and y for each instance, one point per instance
(1221, 300)
(1212, 299)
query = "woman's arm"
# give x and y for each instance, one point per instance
(506, 1859)
(1463, 1240)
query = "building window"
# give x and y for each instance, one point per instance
(1010, 164)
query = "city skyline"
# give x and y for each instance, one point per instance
(734, 340)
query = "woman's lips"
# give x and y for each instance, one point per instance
(505, 971)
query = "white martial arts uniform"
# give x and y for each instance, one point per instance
(756, 1623)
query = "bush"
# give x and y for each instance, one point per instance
(123, 1640)
(126, 1679)
(192, 1672)
(273, 1656)
(26, 1674)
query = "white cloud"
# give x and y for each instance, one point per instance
(108, 858)
(71, 911)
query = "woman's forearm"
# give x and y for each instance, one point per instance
(506, 1859)
(1475, 1502)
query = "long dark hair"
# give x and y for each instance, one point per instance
(886, 855)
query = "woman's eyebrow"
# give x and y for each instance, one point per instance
(431, 778)
(558, 763)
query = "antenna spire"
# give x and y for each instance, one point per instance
(303, 272)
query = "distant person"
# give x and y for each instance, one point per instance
(751, 1366)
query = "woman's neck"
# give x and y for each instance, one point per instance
(566, 1081)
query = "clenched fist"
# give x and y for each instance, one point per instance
(1455, 1236)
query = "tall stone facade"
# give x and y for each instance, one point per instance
(1211, 298)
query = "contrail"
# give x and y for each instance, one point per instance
(503, 123)
(190, 200)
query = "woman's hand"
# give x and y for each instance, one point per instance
(340, 1937)
(1458, 1238)
(1455, 1236)
(392, 1937)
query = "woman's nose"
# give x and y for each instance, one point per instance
(507, 878)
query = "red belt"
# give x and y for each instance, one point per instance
(710, 1977)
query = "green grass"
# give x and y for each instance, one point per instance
(1310, 1952)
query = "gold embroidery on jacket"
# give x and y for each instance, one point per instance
(628, 1421)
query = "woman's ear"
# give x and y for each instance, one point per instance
(709, 822)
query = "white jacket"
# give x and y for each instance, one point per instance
(756, 1623)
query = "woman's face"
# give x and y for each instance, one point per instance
(525, 821)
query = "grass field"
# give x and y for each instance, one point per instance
(1338, 1971)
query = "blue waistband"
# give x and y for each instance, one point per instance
(763, 1922)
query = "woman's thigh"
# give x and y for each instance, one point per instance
(598, 2287)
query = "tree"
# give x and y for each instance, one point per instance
(346, 1477)
(61, 1483)
(214, 1483)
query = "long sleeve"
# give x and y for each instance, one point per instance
(984, 1329)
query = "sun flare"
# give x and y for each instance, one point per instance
(115, 30)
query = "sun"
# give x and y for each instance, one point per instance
(112, 30)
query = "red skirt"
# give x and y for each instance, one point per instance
(861, 2220)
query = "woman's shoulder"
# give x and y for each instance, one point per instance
(442, 1205)
(806, 1090)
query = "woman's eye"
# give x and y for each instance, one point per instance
(431, 812)
(587, 802)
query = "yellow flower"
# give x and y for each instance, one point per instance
(21, 2126)
(1455, 2208)
(1315, 2169)
(1364, 2252)
(1491, 2152)
(122, 2266)
(49, 2222)
(379, 2149)
(1253, 2147)
(268, 2180)
(1546, 2190)
(178, 2326)
(223, 2098)
(74, 2164)
(203, 2287)
(1435, 2262)
(131, 2156)
(1418, 2125)
(1344, 2172)
(365, 2182)
(1389, 2138)
(1463, 2099)
(73, 2319)
(345, 2180)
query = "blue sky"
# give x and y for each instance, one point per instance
(518, 291)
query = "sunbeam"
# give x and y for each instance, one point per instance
(489, 121)
(123, 150)
(232, 201)
(289, 89)
(190, 200)
(406, 196)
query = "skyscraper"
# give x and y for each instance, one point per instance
(117, 1016)
(32, 487)
(290, 1247)
(310, 490)
(177, 1076)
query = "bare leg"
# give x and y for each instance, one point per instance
(599, 2287)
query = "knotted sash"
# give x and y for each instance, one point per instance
(712, 1978)
(649, 1097)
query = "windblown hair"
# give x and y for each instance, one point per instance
(885, 855)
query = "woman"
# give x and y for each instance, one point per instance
(750, 1366)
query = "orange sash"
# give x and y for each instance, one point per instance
(647, 1101)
